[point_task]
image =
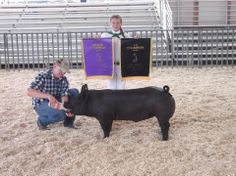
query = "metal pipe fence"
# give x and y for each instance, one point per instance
(190, 47)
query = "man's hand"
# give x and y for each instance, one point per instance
(52, 101)
(70, 114)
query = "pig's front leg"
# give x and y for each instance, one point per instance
(106, 125)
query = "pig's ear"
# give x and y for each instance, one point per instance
(84, 92)
(84, 88)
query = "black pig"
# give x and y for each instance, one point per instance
(131, 104)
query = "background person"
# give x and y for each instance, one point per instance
(116, 33)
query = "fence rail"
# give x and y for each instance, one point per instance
(194, 47)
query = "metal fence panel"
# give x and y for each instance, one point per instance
(192, 47)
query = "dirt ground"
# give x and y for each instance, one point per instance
(202, 133)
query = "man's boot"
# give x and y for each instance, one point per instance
(69, 122)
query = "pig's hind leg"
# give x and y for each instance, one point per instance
(164, 124)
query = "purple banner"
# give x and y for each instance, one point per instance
(98, 57)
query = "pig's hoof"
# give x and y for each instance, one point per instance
(165, 138)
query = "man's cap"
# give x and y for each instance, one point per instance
(64, 66)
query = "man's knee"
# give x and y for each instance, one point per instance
(73, 92)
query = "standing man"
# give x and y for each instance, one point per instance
(49, 91)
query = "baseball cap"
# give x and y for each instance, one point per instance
(64, 66)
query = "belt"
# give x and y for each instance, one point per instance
(116, 63)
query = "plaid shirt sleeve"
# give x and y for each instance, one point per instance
(39, 81)
(65, 87)
(44, 82)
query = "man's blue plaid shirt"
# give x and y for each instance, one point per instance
(46, 83)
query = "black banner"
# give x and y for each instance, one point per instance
(135, 57)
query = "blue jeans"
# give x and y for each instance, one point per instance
(48, 115)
